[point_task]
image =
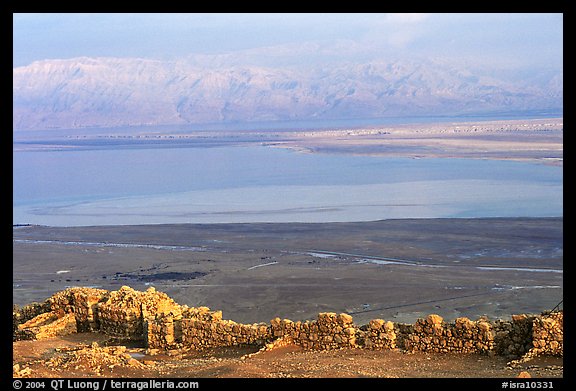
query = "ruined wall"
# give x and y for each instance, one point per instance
(125, 310)
(82, 302)
(514, 338)
(463, 336)
(328, 331)
(200, 328)
(548, 334)
(48, 325)
(379, 334)
(21, 315)
(204, 328)
(163, 324)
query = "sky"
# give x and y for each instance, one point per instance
(510, 41)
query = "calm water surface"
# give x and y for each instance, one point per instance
(262, 184)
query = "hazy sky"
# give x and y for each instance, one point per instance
(510, 40)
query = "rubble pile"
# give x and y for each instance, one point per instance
(18, 371)
(277, 343)
(94, 359)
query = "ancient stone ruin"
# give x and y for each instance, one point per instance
(163, 324)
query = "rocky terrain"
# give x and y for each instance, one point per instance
(144, 332)
(91, 355)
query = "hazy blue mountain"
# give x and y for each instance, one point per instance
(254, 86)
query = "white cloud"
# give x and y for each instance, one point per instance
(399, 30)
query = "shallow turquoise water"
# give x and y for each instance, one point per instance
(262, 184)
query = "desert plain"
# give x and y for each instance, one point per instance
(392, 269)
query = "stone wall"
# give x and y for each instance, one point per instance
(205, 328)
(82, 302)
(21, 315)
(548, 334)
(514, 338)
(379, 334)
(124, 312)
(163, 324)
(463, 336)
(328, 331)
(48, 325)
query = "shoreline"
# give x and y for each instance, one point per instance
(538, 140)
(310, 203)
(32, 225)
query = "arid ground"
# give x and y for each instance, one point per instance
(73, 356)
(397, 270)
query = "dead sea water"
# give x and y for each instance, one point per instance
(243, 184)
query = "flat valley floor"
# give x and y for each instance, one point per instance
(396, 270)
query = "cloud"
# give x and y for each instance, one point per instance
(399, 30)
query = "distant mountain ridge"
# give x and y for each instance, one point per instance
(107, 92)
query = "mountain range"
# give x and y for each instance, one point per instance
(110, 92)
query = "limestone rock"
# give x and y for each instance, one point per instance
(48, 325)
(345, 319)
(434, 319)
